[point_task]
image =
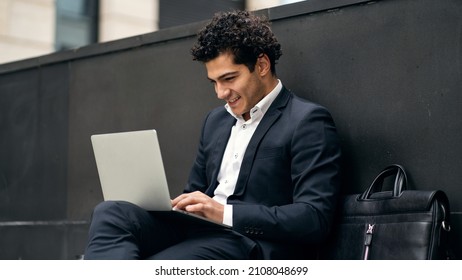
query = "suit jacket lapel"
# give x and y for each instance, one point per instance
(270, 117)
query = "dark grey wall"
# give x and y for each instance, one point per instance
(389, 71)
(178, 12)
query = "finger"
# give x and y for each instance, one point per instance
(195, 208)
(190, 199)
(184, 195)
(181, 197)
(178, 198)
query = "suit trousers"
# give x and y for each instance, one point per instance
(121, 230)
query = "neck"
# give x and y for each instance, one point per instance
(269, 85)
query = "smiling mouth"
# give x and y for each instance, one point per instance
(231, 101)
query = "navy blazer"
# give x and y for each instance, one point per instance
(289, 180)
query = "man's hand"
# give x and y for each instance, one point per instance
(201, 204)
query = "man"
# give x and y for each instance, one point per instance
(267, 164)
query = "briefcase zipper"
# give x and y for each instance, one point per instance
(368, 240)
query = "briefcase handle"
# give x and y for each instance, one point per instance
(399, 185)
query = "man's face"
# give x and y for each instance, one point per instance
(235, 84)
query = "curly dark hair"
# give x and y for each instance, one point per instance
(242, 33)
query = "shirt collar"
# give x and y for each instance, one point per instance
(262, 106)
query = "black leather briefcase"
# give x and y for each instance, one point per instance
(386, 225)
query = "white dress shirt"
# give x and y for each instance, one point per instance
(241, 133)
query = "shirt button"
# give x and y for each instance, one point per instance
(236, 155)
(244, 126)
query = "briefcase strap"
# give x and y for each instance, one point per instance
(400, 183)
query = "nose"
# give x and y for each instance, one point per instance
(222, 91)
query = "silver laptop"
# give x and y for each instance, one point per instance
(130, 169)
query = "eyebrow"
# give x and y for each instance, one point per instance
(223, 75)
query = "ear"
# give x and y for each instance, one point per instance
(263, 65)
